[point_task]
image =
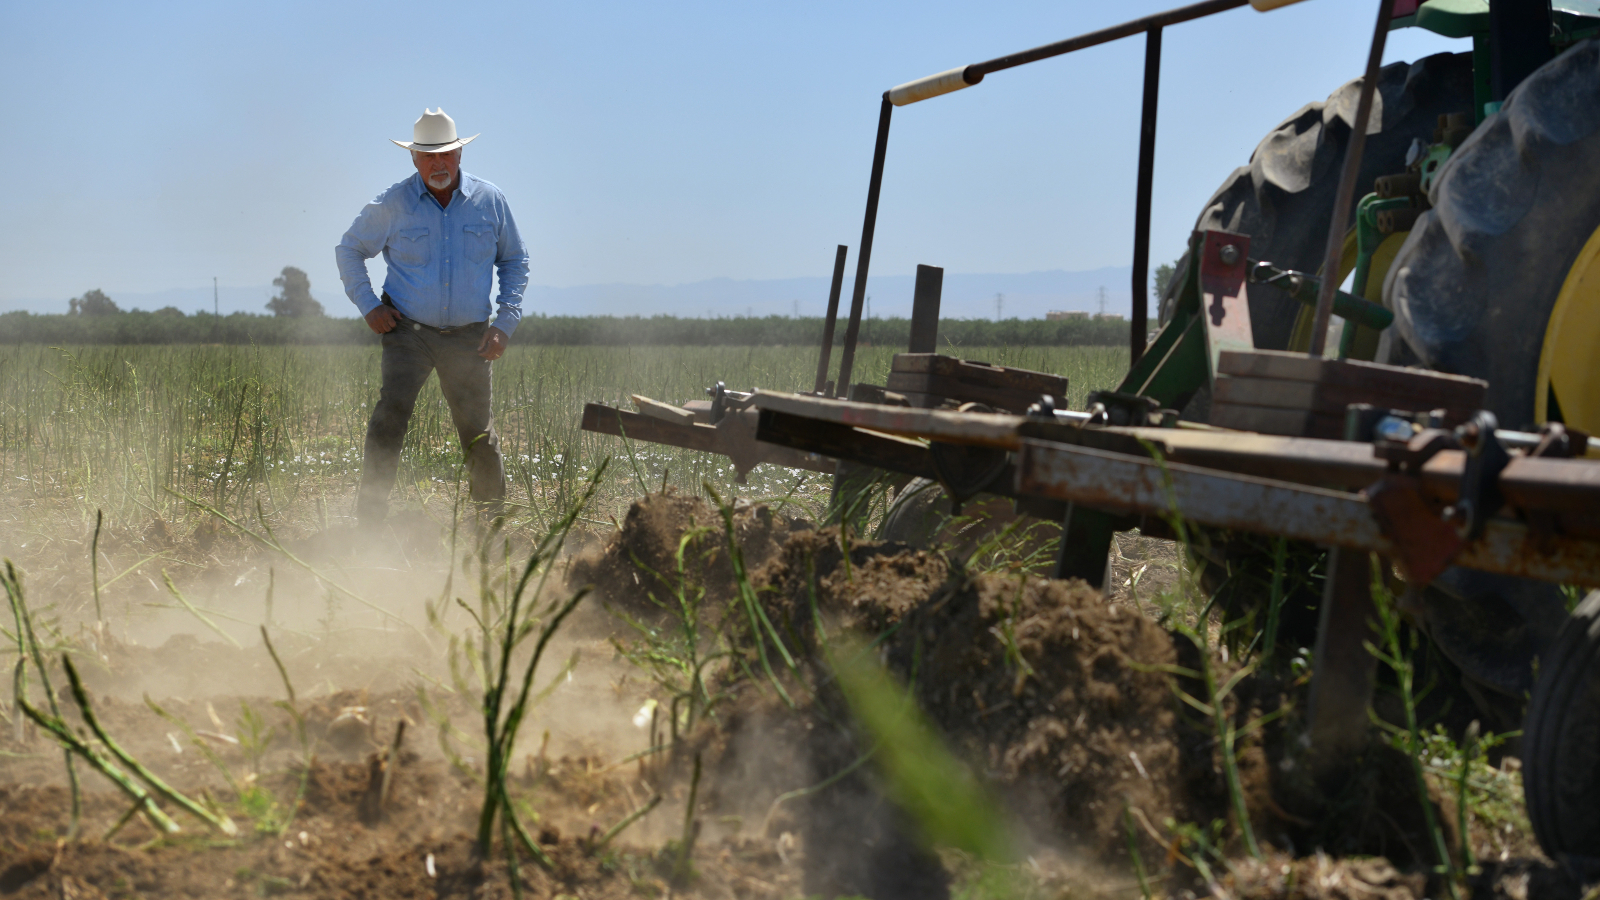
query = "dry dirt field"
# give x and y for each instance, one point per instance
(817, 715)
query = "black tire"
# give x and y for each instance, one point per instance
(1561, 740)
(1283, 198)
(922, 516)
(1474, 284)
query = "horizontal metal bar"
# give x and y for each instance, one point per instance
(1125, 483)
(966, 76)
(1106, 35)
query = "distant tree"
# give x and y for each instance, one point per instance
(294, 298)
(1162, 277)
(92, 303)
(170, 311)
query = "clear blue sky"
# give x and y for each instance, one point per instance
(152, 146)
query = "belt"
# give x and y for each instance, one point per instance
(417, 326)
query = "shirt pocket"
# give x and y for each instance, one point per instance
(481, 242)
(411, 247)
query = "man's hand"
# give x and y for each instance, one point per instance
(493, 345)
(383, 319)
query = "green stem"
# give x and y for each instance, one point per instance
(64, 735)
(221, 823)
(627, 820)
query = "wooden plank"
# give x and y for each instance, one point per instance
(979, 373)
(600, 418)
(1267, 420)
(1333, 398)
(666, 412)
(1278, 364)
(847, 443)
(983, 429)
(963, 391)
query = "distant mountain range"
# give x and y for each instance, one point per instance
(966, 296)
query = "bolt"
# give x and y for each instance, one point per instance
(1393, 428)
(1229, 254)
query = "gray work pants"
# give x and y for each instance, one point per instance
(410, 353)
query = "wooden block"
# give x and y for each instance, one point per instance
(925, 376)
(666, 412)
(1458, 390)
(983, 373)
(1269, 420)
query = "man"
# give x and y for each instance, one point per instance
(444, 234)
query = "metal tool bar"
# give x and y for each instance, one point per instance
(1553, 485)
(831, 319)
(1347, 182)
(1120, 482)
(1140, 314)
(974, 73)
(864, 255)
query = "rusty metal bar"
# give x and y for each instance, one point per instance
(1347, 183)
(1140, 315)
(864, 255)
(1116, 481)
(831, 319)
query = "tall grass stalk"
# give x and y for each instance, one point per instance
(1213, 707)
(28, 648)
(761, 627)
(1391, 649)
(117, 426)
(504, 625)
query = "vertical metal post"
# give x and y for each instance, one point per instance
(925, 310)
(864, 256)
(831, 318)
(1347, 184)
(1519, 42)
(1343, 670)
(1140, 318)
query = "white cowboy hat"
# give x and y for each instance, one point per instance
(435, 132)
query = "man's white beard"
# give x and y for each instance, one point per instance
(439, 181)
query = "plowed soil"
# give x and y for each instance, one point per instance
(1061, 700)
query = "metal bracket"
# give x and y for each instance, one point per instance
(1479, 497)
(1117, 408)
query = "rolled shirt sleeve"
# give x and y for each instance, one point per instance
(511, 266)
(365, 239)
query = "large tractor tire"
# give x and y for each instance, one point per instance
(1501, 279)
(1561, 740)
(1283, 199)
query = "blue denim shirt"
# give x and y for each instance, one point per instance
(441, 259)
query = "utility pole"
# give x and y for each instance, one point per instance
(999, 305)
(216, 304)
(1102, 301)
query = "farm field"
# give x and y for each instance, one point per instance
(711, 721)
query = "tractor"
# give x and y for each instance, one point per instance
(1437, 412)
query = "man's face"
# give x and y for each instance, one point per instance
(438, 170)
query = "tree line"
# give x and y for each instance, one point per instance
(172, 326)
